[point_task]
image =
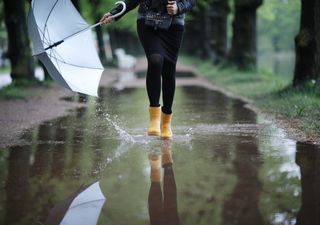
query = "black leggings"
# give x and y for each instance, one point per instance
(159, 67)
(162, 49)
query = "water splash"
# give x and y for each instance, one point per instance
(124, 135)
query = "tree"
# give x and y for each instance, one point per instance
(243, 51)
(19, 51)
(317, 36)
(217, 17)
(307, 67)
(209, 21)
(96, 15)
(194, 36)
(3, 37)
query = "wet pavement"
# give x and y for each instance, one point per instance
(225, 165)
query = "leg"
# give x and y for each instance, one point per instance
(153, 81)
(168, 85)
(168, 89)
(155, 63)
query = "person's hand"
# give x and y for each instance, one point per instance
(107, 18)
(172, 8)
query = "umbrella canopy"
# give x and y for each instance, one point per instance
(79, 209)
(72, 62)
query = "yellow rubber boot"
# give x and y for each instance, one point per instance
(166, 154)
(155, 167)
(154, 125)
(166, 132)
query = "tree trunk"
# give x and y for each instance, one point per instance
(76, 3)
(101, 46)
(126, 40)
(207, 41)
(194, 44)
(244, 41)
(218, 15)
(306, 44)
(317, 36)
(19, 51)
(99, 32)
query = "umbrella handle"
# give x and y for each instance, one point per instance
(124, 8)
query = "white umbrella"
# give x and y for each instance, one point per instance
(63, 42)
(86, 207)
(79, 209)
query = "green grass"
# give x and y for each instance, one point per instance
(272, 93)
(299, 105)
(21, 89)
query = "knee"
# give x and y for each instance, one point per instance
(168, 69)
(155, 61)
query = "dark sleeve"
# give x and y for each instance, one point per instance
(130, 5)
(185, 5)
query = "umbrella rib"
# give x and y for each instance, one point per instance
(97, 200)
(53, 55)
(45, 26)
(71, 64)
(56, 55)
(47, 36)
(45, 40)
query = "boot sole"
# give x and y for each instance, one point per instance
(154, 133)
(164, 138)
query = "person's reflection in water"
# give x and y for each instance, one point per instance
(163, 209)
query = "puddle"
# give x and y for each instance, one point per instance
(225, 165)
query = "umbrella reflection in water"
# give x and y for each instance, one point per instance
(81, 208)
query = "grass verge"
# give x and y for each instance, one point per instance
(21, 89)
(270, 92)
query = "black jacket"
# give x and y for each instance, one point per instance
(183, 6)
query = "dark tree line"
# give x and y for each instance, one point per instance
(206, 36)
(209, 23)
(206, 33)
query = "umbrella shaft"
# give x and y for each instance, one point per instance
(80, 31)
(54, 45)
(72, 35)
